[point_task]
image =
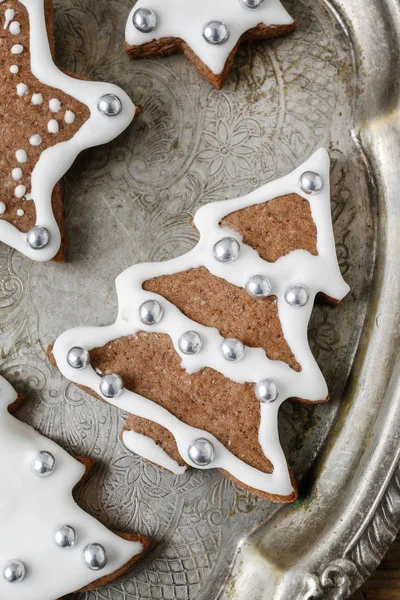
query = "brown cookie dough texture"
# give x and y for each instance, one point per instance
(171, 45)
(130, 537)
(150, 366)
(20, 119)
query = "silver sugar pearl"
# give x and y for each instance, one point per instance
(38, 237)
(111, 385)
(14, 571)
(226, 250)
(215, 32)
(110, 105)
(44, 464)
(297, 295)
(252, 3)
(232, 349)
(258, 286)
(190, 343)
(94, 556)
(144, 19)
(267, 390)
(201, 452)
(311, 183)
(65, 536)
(78, 358)
(151, 312)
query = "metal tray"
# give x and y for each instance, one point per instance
(333, 83)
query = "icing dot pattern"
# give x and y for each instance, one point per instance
(53, 118)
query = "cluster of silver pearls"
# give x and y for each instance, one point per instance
(190, 343)
(258, 286)
(110, 105)
(267, 390)
(201, 452)
(151, 312)
(252, 3)
(297, 295)
(14, 571)
(38, 237)
(226, 250)
(311, 183)
(44, 464)
(232, 349)
(95, 556)
(78, 358)
(111, 385)
(215, 32)
(65, 536)
(144, 19)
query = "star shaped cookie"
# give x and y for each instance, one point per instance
(47, 118)
(207, 346)
(209, 32)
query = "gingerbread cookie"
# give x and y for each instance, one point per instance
(47, 119)
(49, 547)
(207, 346)
(208, 32)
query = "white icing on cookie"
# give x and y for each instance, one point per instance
(9, 15)
(318, 273)
(16, 174)
(3, 208)
(21, 156)
(37, 99)
(55, 105)
(15, 28)
(19, 191)
(35, 140)
(56, 160)
(69, 117)
(14, 69)
(17, 49)
(20, 212)
(148, 449)
(52, 126)
(185, 19)
(22, 89)
(31, 508)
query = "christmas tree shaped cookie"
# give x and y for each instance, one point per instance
(49, 547)
(208, 32)
(47, 119)
(207, 346)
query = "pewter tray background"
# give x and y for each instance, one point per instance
(332, 83)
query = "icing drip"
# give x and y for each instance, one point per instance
(20, 212)
(9, 15)
(14, 69)
(3, 208)
(185, 19)
(17, 49)
(32, 508)
(318, 273)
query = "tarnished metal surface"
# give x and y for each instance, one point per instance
(332, 83)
